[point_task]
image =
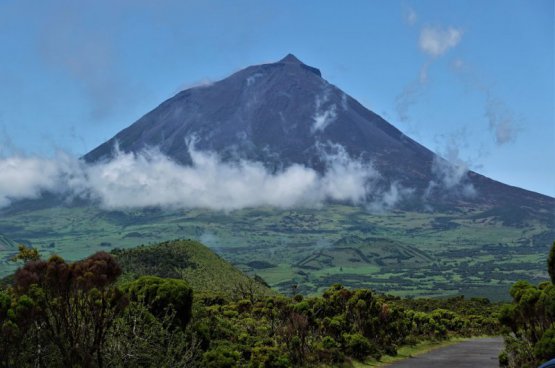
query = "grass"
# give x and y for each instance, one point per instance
(204, 270)
(405, 253)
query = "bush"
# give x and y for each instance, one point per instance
(163, 295)
(545, 348)
(222, 356)
(358, 346)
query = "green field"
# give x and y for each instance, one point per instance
(473, 252)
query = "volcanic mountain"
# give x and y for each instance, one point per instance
(286, 113)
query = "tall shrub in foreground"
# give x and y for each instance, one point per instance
(531, 322)
(74, 306)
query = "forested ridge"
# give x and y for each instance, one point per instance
(137, 308)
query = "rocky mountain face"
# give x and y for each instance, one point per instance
(285, 113)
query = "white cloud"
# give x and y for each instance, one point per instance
(450, 173)
(435, 41)
(502, 121)
(150, 179)
(410, 16)
(388, 199)
(323, 116)
(252, 78)
(27, 178)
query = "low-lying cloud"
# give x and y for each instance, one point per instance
(151, 179)
(325, 113)
(450, 174)
(27, 178)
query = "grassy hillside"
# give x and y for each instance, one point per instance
(477, 252)
(6, 243)
(204, 270)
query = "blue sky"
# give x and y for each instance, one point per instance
(472, 80)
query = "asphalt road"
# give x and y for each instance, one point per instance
(477, 353)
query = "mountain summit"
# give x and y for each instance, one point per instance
(285, 113)
(279, 114)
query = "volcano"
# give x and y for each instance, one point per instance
(286, 113)
(451, 232)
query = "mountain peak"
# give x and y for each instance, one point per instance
(290, 59)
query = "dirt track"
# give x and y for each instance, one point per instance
(477, 353)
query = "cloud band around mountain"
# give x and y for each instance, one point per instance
(151, 179)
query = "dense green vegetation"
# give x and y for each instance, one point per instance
(474, 251)
(531, 322)
(189, 260)
(136, 308)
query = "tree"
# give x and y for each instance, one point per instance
(26, 254)
(75, 306)
(531, 318)
(551, 263)
(138, 339)
(16, 328)
(163, 296)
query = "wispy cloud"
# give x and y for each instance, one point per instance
(450, 171)
(410, 16)
(436, 41)
(389, 198)
(502, 121)
(411, 93)
(325, 113)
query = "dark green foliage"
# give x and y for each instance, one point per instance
(161, 295)
(164, 260)
(268, 357)
(58, 313)
(222, 356)
(139, 339)
(189, 260)
(16, 318)
(285, 237)
(338, 326)
(545, 348)
(551, 263)
(357, 346)
(150, 321)
(531, 322)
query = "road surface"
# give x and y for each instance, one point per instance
(476, 353)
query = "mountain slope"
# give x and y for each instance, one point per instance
(285, 113)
